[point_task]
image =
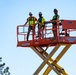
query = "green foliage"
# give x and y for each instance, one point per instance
(3, 70)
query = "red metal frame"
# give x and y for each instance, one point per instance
(70, 25)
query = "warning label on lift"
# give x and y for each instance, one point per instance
(27, 44)
(71, 39)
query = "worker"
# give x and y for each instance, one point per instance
(55, 18)
(41, 25)
(32, 22)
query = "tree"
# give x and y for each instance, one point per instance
(3, 70)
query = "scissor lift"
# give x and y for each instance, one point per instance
(66, 36)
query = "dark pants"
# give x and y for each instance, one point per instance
(40, 31)
(54, 29)
(29, 30)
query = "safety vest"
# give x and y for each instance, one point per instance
(41, 20)
(31, 21)
(55, 17)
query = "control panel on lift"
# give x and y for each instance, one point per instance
(66, 34)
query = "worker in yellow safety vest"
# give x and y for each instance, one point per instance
(41, 25)
(54, 24)
(32, 22)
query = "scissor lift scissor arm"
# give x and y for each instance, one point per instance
(52, 63)
(38, 44)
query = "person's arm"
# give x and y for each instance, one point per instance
(38, 22)
(26, 22)
(35, 19)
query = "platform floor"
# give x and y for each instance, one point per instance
(46, 41)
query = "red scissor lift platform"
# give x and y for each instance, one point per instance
(66, 35)
(70, 25)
